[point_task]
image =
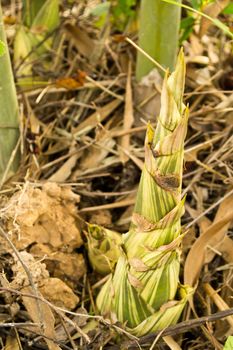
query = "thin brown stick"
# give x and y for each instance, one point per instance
(180, 328)
(60, 311)
(18, 324)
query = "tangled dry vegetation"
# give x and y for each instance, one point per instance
(82, 128)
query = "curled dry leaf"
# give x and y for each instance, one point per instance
(219, 302)
(193, 265)
(173, 345)
(217, 240)
(39, 311)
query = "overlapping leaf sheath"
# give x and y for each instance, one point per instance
(104, 248)
(144, 290)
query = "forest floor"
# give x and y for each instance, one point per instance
(83, 121)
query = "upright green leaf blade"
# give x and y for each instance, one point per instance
(9, 122)
(158, 35)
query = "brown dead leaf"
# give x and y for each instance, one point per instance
(172, 344)
(219, 302)
(71, 83)
(9, 20)
(226, 249)
(216, 241)
(128, 117)
(84, 43)
(67, 83)
(213, 10)
(118, 38)
(96, 153)
(44, 314)
(97, 117)
(63, 173)
(196, 47)
(12, 343)
(196, 256)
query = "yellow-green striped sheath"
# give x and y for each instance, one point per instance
(143, 291)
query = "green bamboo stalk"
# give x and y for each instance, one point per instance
(9, 115)
(159, 24)
(143, 291)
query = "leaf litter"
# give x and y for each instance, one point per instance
(83, 125)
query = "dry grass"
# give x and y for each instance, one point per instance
(83, 127)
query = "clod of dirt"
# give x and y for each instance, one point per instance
(101, 217)
(36, 269)
(58, 293)
(69, 267)
(45, 216)
(53, 289)
(28, 275)
(43, 221)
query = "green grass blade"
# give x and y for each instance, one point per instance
(215, 21)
